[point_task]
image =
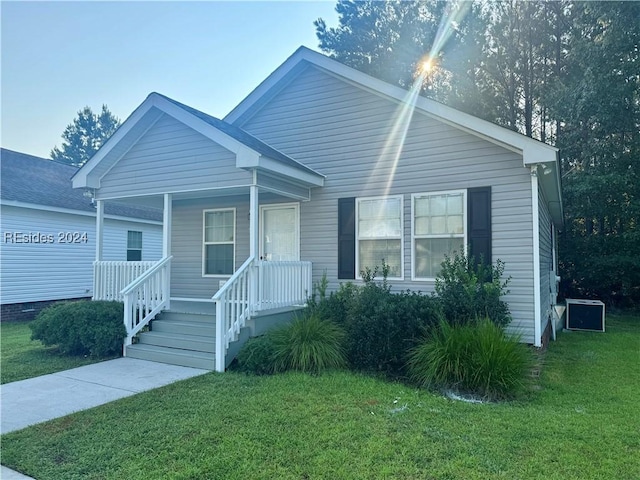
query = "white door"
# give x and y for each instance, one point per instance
(280, 232)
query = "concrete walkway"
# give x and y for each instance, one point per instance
(43, 398)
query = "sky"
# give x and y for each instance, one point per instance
(58, 57)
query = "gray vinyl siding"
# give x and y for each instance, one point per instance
(187, 280)
(33, 272)
(171, 157)
(546, 260)
(115, 240)
(341, 131)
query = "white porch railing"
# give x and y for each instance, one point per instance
(146, 296)
(110, 278)
(256, 286)
(282, 284)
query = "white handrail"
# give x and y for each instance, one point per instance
(234, 303)
(146, 296)
(257, 286)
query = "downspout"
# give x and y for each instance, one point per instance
(537, 327)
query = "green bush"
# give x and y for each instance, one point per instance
(468, 290)
(257, 356)
(477, 358)
(308, 344)
(381, 327)
(82, 328)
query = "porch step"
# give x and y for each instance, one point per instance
(184, 327)
(184, 336)
(179, 341)
(187, 316)
(173, 356)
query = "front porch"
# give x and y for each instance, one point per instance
(231, 207)
(201, 333)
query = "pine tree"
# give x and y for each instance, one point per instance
(84, 136)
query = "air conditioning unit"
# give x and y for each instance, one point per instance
(585, 315)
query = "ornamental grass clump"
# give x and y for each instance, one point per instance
(308, 344)
(476, 358)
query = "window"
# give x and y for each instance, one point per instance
(439, 221)
(134, 246)
(219, 242)
(379, 234)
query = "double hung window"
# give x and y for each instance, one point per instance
(439, 221)
(379, 234)
(219, 242)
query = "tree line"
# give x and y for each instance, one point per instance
(563, 72)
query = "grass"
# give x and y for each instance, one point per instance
(23, 358)
(583, 422)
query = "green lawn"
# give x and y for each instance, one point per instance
(23, 358)
(583, 422)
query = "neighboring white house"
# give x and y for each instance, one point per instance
(48, 235)
(323, 167)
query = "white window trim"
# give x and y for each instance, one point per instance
(414, 277)
(402, 234)
(204, 243)
(272, 206)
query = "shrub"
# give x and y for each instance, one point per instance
(257, 356)
(468, 290)
(82, 328)
(381, 327)
(477, 358)
(308, 344)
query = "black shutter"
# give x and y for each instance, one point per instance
(347, 238)
(479, 223)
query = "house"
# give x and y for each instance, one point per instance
(48, 233)
(324, 169)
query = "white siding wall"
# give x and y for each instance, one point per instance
(171, 157)
(546, 260)
(115, 239)
(32, 272)
(341, 131)
(187, 280)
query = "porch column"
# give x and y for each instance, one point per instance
(166, 244)
(166, 225)
(99, 229)
(97, 272)
(254, 246)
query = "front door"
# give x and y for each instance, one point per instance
(280, 232)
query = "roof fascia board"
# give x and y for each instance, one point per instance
(205, 129)
(69, 211)
(296, 174)
(268, 84)
(531, 150)
(81, 177)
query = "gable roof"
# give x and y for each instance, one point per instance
(38, 181)
(533, 151)
(250, 151)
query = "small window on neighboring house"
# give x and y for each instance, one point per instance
(134, 246)
(219, 242)
(379, 234)
(439, 223)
